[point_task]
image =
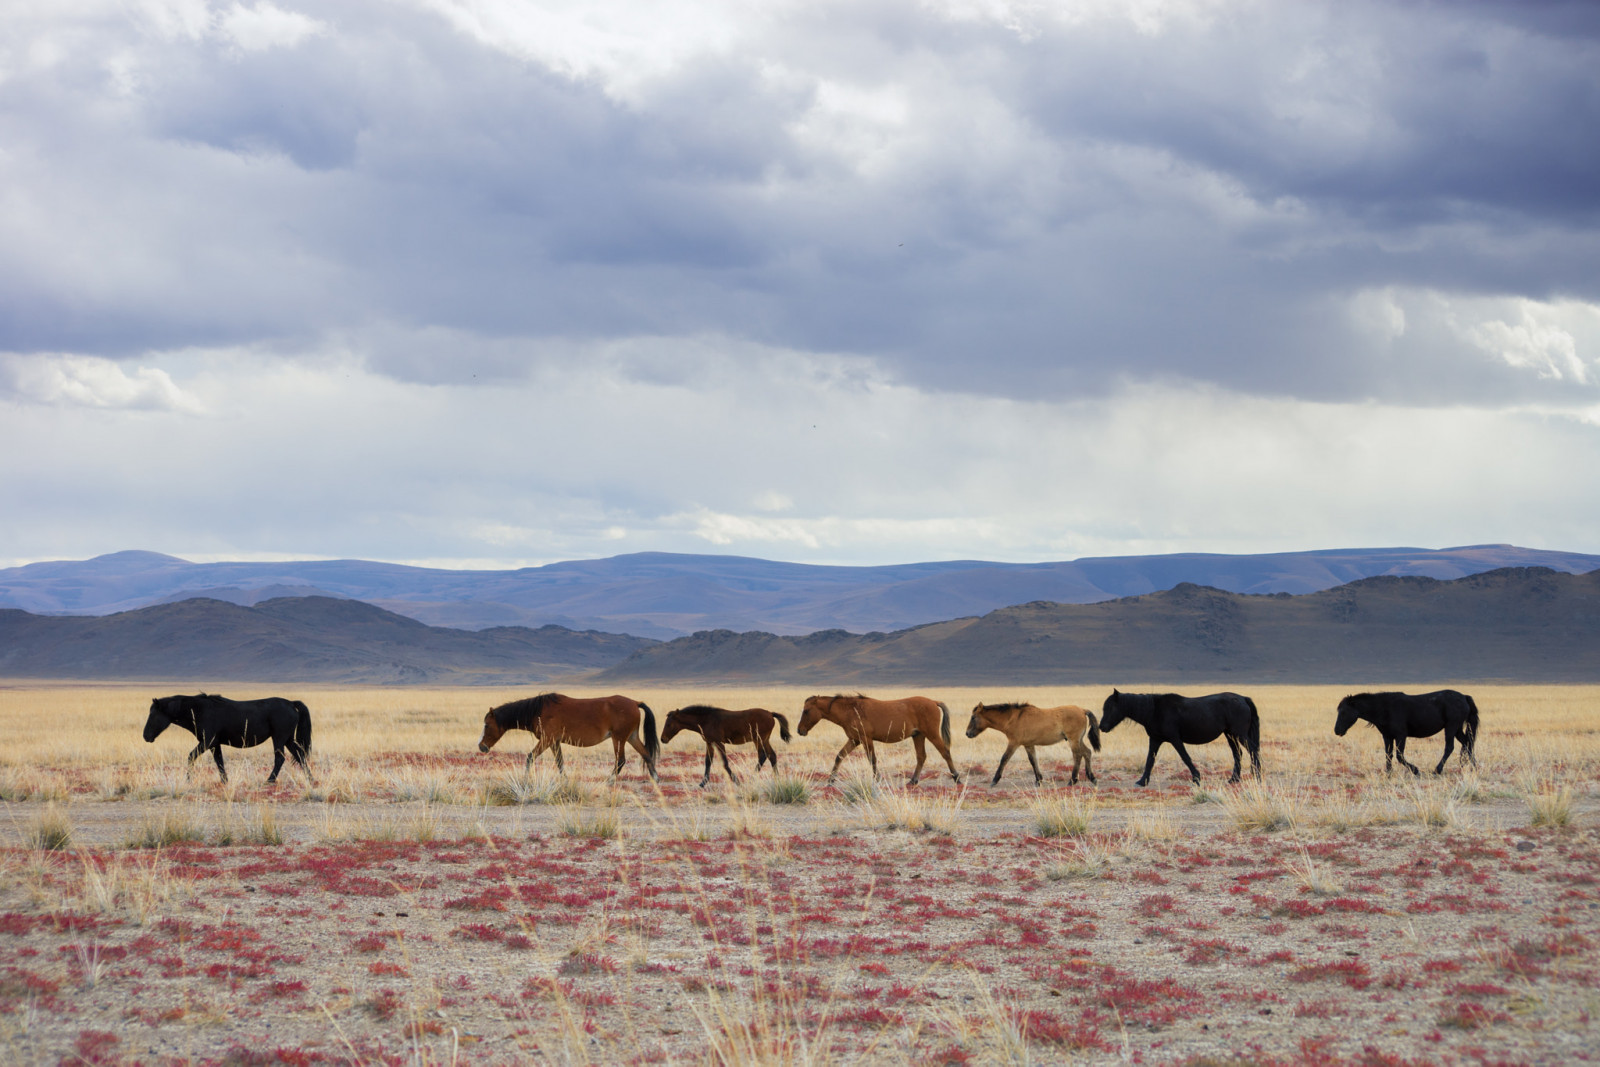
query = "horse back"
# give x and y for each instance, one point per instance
(585, 721)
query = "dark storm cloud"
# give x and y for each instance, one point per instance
(1214, 198)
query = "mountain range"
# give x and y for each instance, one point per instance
(663, 595)
(1527, 624)
(1530, 624)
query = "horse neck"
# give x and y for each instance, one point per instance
(1140, 707)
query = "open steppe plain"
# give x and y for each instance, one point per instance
(425, 904)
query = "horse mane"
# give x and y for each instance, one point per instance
(527, 710)
(1014, 706)
(698, 709)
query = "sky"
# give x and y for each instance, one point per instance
(496, 283)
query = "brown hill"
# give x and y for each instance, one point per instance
(1528, 624)
(302, 638)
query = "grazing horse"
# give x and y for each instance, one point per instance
(216, 721)
(865, 720)
(1179, 720)
(1026, 726)
(720, 727)
(1400, 715)
(584, 722)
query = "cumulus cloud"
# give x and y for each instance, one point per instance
(87, 381)
(868, 280)
(994, 198)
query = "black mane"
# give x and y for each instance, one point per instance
(1014, 706)
(522, 714)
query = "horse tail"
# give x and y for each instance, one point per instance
(1469, 728)
(652, 743)
(302, 727)
(1094, 730)
(944, 724)
(1253, 738)
(783, 726)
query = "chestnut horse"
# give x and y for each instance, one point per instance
(1026, 726)
(721, 727)
(865, 720)
(584, 722)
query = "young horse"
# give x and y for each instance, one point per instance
(1399, 716)
(720, 727)
(1178, 720)
(1026, 726)
(554, 719)
(216, 721)
(865, 720)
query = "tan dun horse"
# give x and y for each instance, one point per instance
(585, 722)
(1026, 726)
(720, 727)
(865, 720)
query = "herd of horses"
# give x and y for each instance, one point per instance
(583, 722)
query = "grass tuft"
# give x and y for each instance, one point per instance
(1062, 815)
(784, 789)
(51, 831)
(1258, 807)
(1549, 803)
(173, 826)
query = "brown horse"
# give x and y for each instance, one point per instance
(865, 720)
(721, 727)
(1026, 726)
(554, 718)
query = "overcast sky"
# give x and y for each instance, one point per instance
(491, 282)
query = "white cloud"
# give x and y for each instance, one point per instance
(263, 25)
(1541, 339)
(90, 381)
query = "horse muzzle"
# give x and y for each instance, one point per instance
(483, 746)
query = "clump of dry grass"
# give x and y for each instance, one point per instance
(172, 826)
(575, 822)
(1315, 877)
(859, 789)
(1259, 807)
(541, 785)
(1154, 825)
(1084, 858)
(1062, 815)
(781, 789)
(1549, 802)
(1432, 803)
(906, 809)
(51, 830)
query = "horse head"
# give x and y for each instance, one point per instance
(1111, 712)
(676, 722)
(1349, 712)
(979, 722)
(492, 732)
(816, 707)
(164, 711)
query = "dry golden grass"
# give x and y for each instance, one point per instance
(364, 738)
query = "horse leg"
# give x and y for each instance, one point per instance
(849, 747)
(1388, 754)
(922, 754)
(1449, 747)
(1400, 754)
(216, 752)
(722, 750)
(277, 762)
(542, 746)
(1233, 746)
(944, 750)
(1150, 761)
(1088, 762)
(706, 777)
(1033, 760)
(1011, 746)
(644, 753)
(620, 744)
(872, 755)
(1183, 754)
(198, 749)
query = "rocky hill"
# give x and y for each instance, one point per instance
(1530, 624)
(303, 639)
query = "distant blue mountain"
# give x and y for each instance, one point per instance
(664, 595)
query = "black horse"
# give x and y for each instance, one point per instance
(216, 721)
(1180, 720)
(1400, 715)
